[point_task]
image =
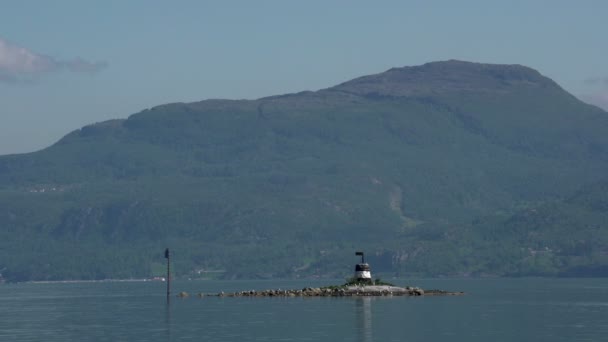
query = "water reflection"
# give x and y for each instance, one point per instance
(363, 312)
(168, 319)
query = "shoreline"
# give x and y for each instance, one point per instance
(89, 281)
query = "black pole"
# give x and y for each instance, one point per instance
(362, 257)
(168, 257)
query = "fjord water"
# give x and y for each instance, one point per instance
(491, 310)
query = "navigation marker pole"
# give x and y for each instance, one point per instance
(168, 257)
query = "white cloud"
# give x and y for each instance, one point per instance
(19, 64)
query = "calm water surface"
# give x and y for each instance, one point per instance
(492, 310)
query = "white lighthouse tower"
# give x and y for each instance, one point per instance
(362, 270)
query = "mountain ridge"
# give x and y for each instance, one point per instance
(499, 72)
(445, 77)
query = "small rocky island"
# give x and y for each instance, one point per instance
(335, 291)
(361, 285)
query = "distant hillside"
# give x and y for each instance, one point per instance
(441, 169)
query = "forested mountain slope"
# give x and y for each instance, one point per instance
(446, 168)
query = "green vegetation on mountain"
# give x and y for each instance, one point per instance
(448, 168)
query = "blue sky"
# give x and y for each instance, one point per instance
(65, 64)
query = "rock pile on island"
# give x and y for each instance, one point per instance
(336, 291)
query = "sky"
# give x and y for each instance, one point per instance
(68, 63)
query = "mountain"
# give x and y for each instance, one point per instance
(440, 169)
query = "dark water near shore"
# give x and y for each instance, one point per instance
(492, 310)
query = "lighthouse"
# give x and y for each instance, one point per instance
(362, 270)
